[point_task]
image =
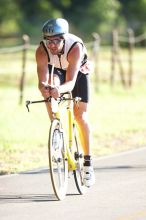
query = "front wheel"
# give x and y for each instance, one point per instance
(57, 159)
(78, 155)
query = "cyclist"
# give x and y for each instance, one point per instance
(67, 53)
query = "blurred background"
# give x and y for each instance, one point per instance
(27, 16)
(114, 32)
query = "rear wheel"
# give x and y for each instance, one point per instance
(78, 154)
(57, 159)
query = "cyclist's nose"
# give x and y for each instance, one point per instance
(52, 45)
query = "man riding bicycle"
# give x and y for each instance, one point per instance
(67, 53)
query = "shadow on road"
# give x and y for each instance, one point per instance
(121, 168)
(27, 198)
(96, 169)
(22, 198)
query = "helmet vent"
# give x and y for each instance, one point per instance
(50, 30)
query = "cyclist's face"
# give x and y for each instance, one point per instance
(55, 44)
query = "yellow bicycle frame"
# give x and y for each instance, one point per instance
(68, 128)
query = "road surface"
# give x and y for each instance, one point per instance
(119, 193)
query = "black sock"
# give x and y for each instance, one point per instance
(87, 160)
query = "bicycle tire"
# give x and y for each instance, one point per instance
(78, 155)
(58, 164)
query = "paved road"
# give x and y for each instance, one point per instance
(119, 193)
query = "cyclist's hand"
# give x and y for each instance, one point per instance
(45, 91)
(54, 92)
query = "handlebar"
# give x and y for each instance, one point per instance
(38, 101)
(60, 99)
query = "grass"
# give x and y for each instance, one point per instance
(120, 120)
(117, 117)
(23, 136)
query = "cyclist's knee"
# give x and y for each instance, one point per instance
(80, 112)
(80, 116)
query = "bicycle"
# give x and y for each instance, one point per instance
(64, 147)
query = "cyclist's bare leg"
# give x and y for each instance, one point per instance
(82, 120)
(56, 82)
(80, 113)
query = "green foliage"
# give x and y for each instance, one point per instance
(34, 14)
(134, 13)
(90, 16)
(85, 17)
(9, 15)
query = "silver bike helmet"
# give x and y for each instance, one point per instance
(55, 27)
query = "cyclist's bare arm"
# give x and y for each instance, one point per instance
(74, 59)
(42, 70)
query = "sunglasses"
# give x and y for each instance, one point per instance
(55, 41)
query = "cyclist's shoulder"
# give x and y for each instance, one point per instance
(74, 44)
(40, 52)
(71, 38)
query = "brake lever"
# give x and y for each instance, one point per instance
(27, 104)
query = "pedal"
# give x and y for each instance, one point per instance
(77, 155)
